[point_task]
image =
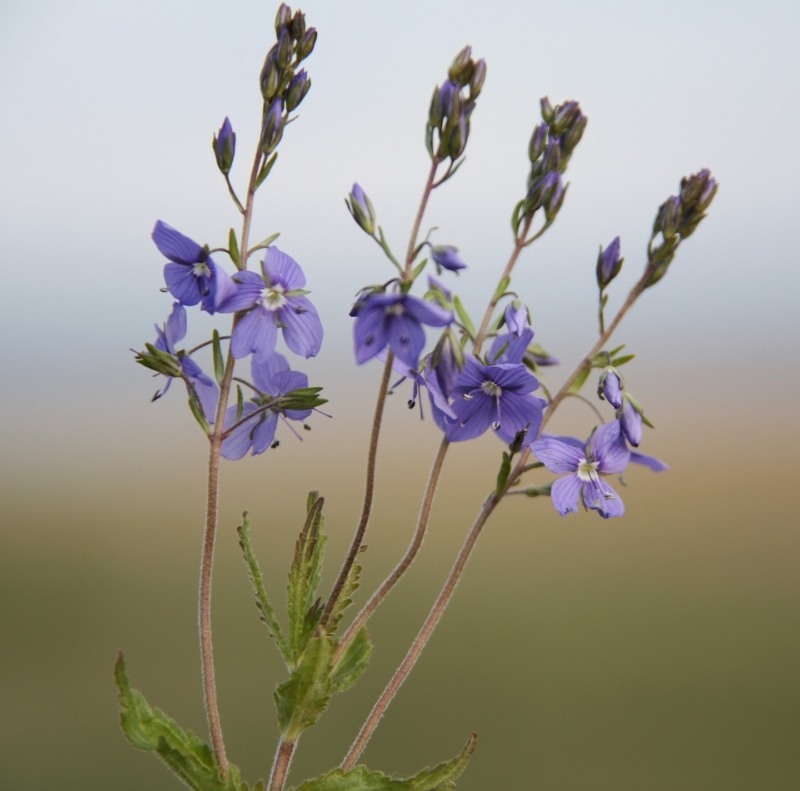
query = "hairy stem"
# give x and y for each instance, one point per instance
(281, 764)
(416, 542)
(369, 491)
(421, 639)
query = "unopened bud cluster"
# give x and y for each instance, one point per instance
(283, 84)
(550, 148)
(452, 104)
(677, 218)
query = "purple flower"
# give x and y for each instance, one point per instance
(275, 300)
(191, 275)
(272, 377)
(605, 452)
(510, 348)
(395, 320)
(361, 208)
(498, 395)
(446, 257)
(203, 386)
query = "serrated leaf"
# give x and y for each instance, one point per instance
(463, 316)
(219, 363)
(304, 577)
(233, 247)
(580, 380)
(265, 608)
(440, 778)
(150, 729)
(345, 598)
(352, 663)
(304, 697)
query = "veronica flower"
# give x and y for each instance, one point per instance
(446, 257)
(204, 387)
(498, 395)
(272, 377)
(191, 275)
(630, 420)
(276, 299)
(510, 348)
(605, 452)
(395, 320)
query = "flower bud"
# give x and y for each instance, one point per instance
(297, 90)
(270, 76)
(446, 257)
(608, 265)
(306, 44)
(610, 387)
(548, 113)
(630, 420)
(461, 66)
(477, 79)
(538, 142)
(573, 135)
(285, 50)
(458, 137)
(516, 317)
(565, 115)
(555, 200)
(282, 19)
(552, 157)
(298, 26)
(224, 145)
(273, 127)
(449, 99)
(361, 208)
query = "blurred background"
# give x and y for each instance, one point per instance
(658, 651)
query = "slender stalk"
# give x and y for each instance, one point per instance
(423, 204)
(281, 764)
(416, 542)
(210, 532)
(421, 639)
(369, 491)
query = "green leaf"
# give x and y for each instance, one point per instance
(233, 247)
(265, 243)
(501, 289)
(463, 316)
(503, 473)
(352, 663)
(264, 172)
(345, 598)
(625, 358)
(304, 697)
(304, 577)
(265, 608)
(440, 778)
(219, 363)
(150, 729)
(417, 270)
(580, 380)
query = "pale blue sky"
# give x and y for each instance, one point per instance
(109, 109)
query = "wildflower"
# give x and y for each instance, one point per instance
(204, 388)
(360, 206)
(446, 257)
(611, 388)
(273, 379)
(497, 395)
(273, 300)
(604, 452)
(516, 317)
(191, 276)
(630, 420)
(395, 320)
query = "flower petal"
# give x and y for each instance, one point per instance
(565, 493)
(280, 268)
(302, 328)
(255, 332)
(174, 245)
(557, 456)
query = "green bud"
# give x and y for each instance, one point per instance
(305, 46)
(282, 19)
(538, 142)
(298, 27)
(477, 79)
(548, 113)
(285, 50)
(461, 68)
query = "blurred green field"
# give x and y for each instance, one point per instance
(659, 651)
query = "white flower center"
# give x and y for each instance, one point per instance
(587, 471)
(274, 297)
(396, 309)
(200, 269)
(492, 389)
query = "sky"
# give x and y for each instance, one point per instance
(109, 111)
